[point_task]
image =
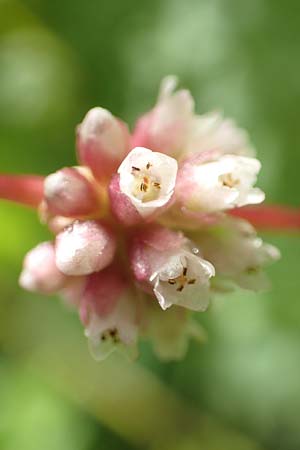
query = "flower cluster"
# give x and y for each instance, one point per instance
(143, 230)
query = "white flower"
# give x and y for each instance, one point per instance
(116, 330)
(183, 280)
(148, 179)
(219, 185)
(237, 254)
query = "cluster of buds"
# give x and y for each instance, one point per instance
(144, 230)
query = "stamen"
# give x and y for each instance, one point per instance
(111, 333)
(252, 270)
(180, 288)
(148, 166)
(144, 187)
(157, 185)
(184, 272)
(192, 281)
(135, 169)
(171, 281)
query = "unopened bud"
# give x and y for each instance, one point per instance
(69, 193)
(102, 141)
(40, 273)
(84, 247)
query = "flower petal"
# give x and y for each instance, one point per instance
(211, 132)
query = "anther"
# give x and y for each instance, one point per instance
(143, 187)
(135, 169)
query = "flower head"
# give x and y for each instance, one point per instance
(142, 231)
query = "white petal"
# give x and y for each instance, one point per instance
(212, 132)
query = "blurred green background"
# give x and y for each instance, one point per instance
(241, 390)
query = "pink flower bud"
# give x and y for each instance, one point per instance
(102, 141)
(166, 126)
(69, 193)
(84, 247)
(40, 273)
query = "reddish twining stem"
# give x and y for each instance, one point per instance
(28, 190)
(24, 189)
(270, 217)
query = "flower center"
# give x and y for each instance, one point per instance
(146, 187)
(227, 180)
(181, 280)
(111, 333)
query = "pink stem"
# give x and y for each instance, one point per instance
(24, 189)
(270, 217)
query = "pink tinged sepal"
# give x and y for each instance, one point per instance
(102, 142)
(148, 180)
(218, 185)
(84, 247)
(147, 248)
(109, 313)
(167, 261)
(121, 206)
(165, 128)
(40, 273)
(69, 192)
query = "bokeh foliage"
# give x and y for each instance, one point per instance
(57, 59)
